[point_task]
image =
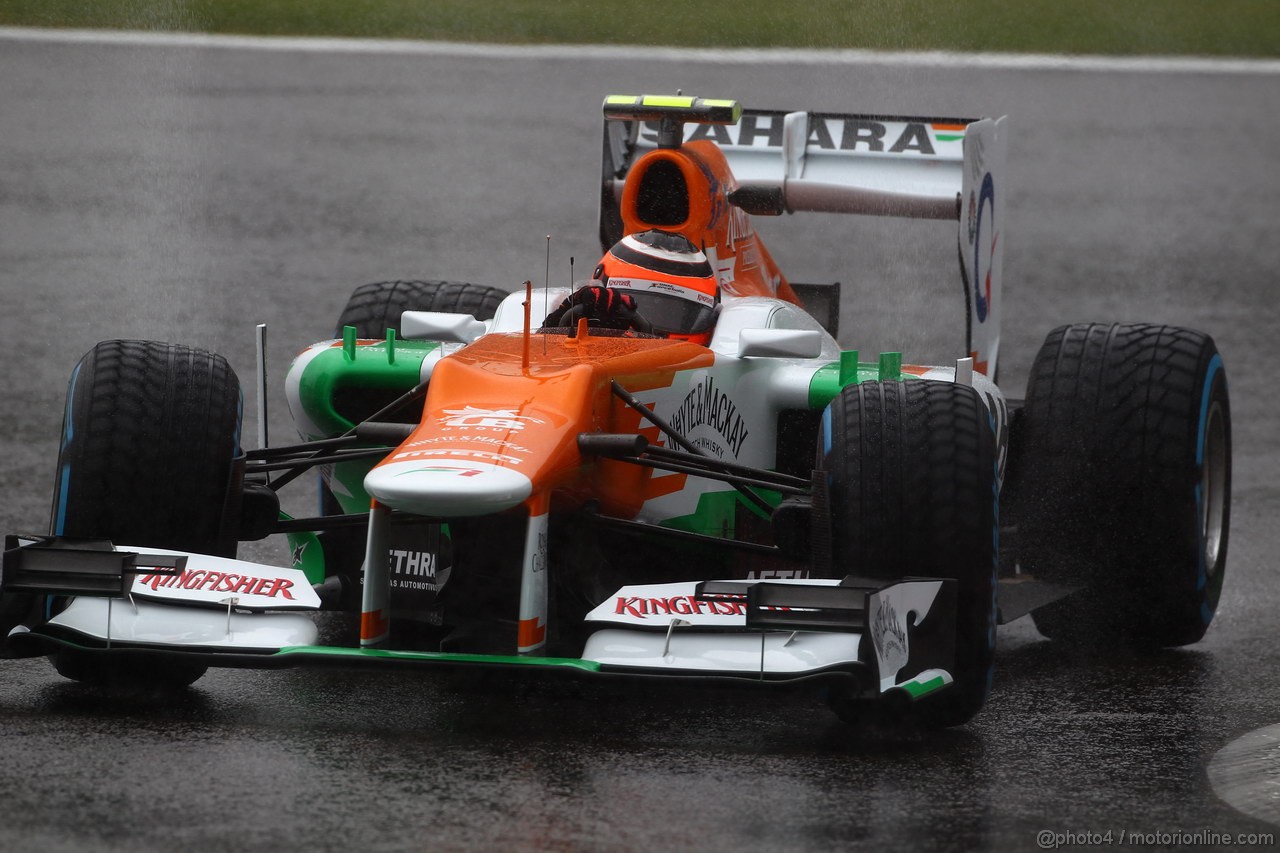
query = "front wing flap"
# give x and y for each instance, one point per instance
(888, 634)
(877, 636)
(69, 567)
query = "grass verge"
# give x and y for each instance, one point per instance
(1129, 27)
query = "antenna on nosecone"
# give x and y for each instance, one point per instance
(546, 274)
(546, 290)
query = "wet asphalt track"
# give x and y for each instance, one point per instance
(187, 194)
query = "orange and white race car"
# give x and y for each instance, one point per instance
(670, 470)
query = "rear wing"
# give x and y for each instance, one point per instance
(901, 166)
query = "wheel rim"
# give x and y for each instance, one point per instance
(1213, 487)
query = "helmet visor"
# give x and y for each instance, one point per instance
(674, 314)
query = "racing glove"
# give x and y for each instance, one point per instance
(603, 306)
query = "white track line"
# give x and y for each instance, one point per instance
(750, 56)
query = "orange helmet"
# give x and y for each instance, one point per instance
(670, 279)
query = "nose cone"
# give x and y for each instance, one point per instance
(446, 487)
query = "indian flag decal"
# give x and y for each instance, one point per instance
(944, 132)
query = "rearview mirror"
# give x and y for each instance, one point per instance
(779, 343)
(440, 326)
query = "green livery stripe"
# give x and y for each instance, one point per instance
(923, 688)
(830, 379)
(384, 370)
(440, 657)
(717, 512)
(714, 515)
(372, 367)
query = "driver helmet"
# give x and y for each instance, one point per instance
(670, 279)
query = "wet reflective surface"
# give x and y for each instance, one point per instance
(188, 194)
(255, 760)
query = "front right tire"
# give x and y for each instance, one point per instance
(149, 436)
(913, 492)
(150, 431)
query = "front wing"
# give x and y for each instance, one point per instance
(873, 637)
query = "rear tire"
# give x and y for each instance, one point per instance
(149, 435)
(1127, 483)
(913, 492)
(374, 308)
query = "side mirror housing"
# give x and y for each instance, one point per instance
(440, 326)
(779, 343)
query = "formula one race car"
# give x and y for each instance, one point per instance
(677, 474)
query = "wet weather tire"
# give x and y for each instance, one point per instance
(149, 435)
(912, 477)
(374, 308)
(1127, 482)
